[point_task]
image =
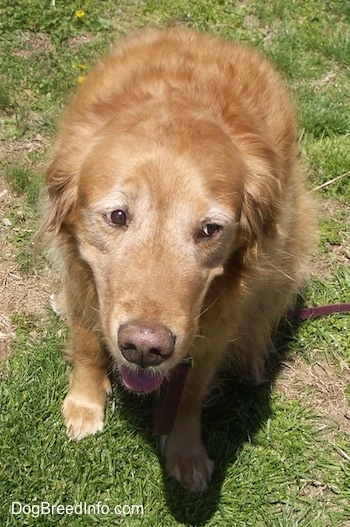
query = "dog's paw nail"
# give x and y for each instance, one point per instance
(162, 442)
(108, 387)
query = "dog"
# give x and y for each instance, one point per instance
(180, 218)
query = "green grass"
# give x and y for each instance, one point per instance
(280, 461)
(263, 444)
(25, 181)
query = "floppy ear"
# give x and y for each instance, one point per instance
(81, 120)
(262, 188)
(61, 193)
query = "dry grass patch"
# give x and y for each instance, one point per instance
(321, 387)
(334, 242)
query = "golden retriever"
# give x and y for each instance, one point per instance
(180, 218)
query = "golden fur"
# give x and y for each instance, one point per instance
(179, 216)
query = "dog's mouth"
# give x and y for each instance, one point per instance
(141, 380)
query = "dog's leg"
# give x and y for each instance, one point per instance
(84, 405)
(186, 458)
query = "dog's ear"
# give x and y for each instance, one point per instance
(262, 188)
(61, 193)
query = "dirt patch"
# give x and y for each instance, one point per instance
(18, 292)
(323, 263)
(321, 388)
(34, 43)
(78, 41)
(14, 147)
(327, 80)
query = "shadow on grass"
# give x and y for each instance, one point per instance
(238, 412)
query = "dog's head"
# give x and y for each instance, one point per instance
(156, 201)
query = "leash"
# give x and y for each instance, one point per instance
(304, 313)
(166, 410)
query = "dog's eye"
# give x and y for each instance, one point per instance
(208, 230)
(117, 217)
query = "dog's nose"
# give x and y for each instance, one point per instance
(145, 344)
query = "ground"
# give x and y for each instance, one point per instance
(291, 471)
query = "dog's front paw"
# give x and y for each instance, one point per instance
(82, 416)
(190, 466)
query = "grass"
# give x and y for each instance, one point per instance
(282, 458)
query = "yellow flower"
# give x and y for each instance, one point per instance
(81, 79)
(79, 14)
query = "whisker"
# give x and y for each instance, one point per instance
(199, 336)
(211, 305)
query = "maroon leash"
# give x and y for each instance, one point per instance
(307, 312)
(166, 411)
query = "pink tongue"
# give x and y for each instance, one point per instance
(141, 380)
